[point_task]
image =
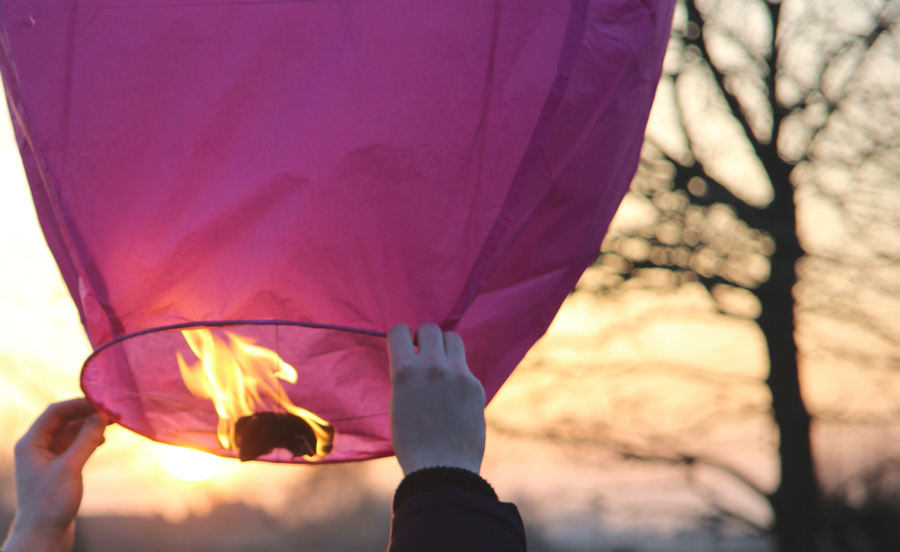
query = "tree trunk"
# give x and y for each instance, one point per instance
(796, 501)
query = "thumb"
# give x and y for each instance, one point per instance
(89, 437)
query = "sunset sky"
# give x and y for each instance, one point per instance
(661, 370)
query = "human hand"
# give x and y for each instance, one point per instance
(437, 405)
(49, 459)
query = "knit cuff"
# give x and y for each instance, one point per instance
(439, 479)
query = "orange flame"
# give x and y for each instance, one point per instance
(242, 378)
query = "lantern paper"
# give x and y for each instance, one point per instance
(306, 174)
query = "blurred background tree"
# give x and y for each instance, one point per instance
(770, 177)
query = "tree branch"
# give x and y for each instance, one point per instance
(733, 104)
(628, 453)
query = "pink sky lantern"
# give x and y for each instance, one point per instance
(244, 196)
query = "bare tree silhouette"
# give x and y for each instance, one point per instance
(807, 92)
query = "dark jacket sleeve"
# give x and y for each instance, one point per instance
(432, 513)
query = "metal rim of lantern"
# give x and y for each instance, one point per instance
(210, 324)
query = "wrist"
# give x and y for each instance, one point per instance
(418, 464)
(28, 536)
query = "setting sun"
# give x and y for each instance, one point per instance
(187, 464)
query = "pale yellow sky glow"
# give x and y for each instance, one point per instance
(189, 465)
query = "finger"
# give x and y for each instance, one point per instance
(86, 442)
(55, 416)
(456, 350)
(400, 345)
(430, 339)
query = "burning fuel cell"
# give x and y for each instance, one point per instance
(243, 380)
